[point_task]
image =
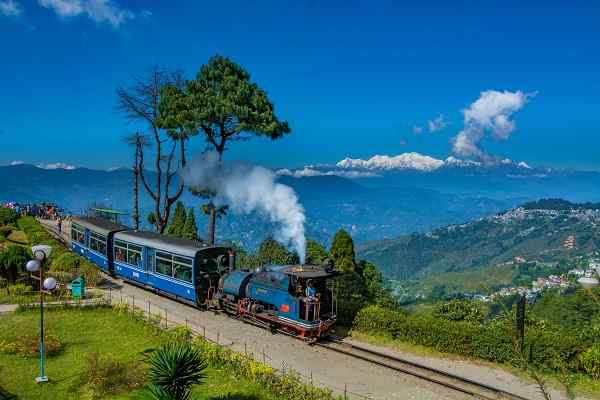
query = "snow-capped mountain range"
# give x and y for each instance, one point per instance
(382, 164)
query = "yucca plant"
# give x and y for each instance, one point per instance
(174, 369)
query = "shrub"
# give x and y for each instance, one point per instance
(7, 216)
(104, 376)
(28, 346)
(460, 310)
(174, 369)
(590, 361)
(379, 320)
(65, 262)
(5, 231)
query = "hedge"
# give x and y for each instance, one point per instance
(551, 348)
(61, 259)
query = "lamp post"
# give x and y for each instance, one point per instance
(40, 254)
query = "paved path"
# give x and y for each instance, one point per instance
(7, 308)
(327, 368)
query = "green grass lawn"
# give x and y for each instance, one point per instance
(83, 331)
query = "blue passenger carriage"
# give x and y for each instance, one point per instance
(184, 269)
(92, 238)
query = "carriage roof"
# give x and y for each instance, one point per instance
(161, 242)
(98, 225)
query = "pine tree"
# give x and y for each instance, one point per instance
(273, 252)
(315, 253)
(177, 223)
(342, 251)
(190, 229)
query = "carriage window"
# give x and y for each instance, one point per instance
(120, 251)
(164, 264)
(134, 254)
(128, 253)
(98, 242)
(182, 268)
(78, 234)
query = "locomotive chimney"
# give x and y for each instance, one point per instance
(231, 260)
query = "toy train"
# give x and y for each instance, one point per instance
(292, 299)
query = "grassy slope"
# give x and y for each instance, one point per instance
(83, 332)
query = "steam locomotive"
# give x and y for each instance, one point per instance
(292, 299)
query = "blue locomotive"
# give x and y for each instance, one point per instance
(293, 299)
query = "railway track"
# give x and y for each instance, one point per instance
(457, 383)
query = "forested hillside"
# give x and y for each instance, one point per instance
(542, 233)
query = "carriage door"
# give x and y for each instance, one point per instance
(150, 265)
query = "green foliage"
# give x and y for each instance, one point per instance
(461, 310)
(574, 310)
(453, 328)
(7, 216)
(28, 346)
(273, 252)
(190, 229)
(174, 369)
(315, 253)
(5, 231)
(223, 103)
(12, 262)
(177, 224)
(286, 385)
(590, 360)
(104, 376)
(342, 251)
(66, 262)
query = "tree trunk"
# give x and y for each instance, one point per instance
(212, 223)
(136, 190)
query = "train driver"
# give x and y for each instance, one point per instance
(311, 292)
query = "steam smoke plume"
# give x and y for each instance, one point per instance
(245, 188)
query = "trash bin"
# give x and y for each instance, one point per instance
(78, 288)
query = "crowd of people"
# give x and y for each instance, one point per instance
(40, 210)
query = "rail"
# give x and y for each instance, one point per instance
(443, 378)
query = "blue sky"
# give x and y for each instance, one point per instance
(353, 78)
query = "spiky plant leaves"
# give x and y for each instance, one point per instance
(174, 369)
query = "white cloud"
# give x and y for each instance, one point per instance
(58, 165)
(10, 8)
(16, 162)
(97, 10)
(437, 124)
(417, 130)
(490, 113)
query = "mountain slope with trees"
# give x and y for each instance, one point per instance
(535, 231)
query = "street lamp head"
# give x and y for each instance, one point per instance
(32, 265)
(588, 283)
(41, 251)
(50, 283)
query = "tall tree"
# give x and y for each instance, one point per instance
(211, 210)
(138, 142)
(225, 106)
(271, 251)
(175, 228)
(315, 252)
(342, 251)
(190, 229)
(140, 102)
